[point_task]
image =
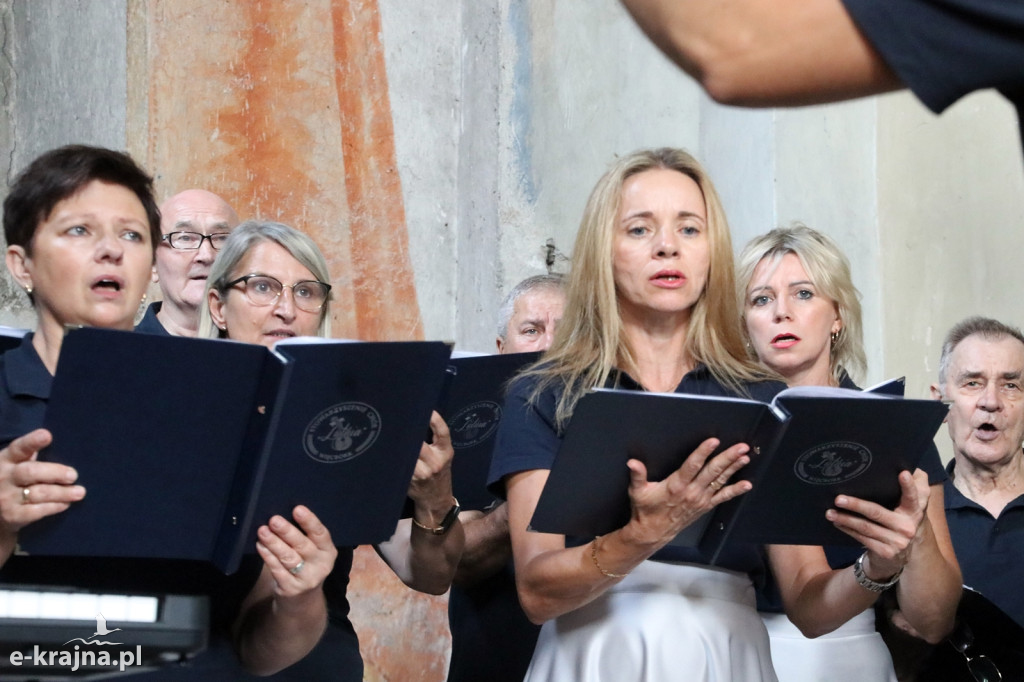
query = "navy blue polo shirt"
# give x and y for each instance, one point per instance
(528, 439)
(24, 389)
(149, 324)
(990, 550)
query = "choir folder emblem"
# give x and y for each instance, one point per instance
(472, 407)
(186, 446)
(809, 445)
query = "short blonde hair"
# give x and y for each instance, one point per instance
(590, 341)
(829, 269)
(243, 238)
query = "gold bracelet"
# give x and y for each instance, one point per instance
(446, 523)
(593, 556)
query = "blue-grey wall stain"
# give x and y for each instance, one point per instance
(521, 111)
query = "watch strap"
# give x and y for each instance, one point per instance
(446, 523)
(867, 583)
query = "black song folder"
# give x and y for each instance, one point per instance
(471, 406)
(186, 446)
(809, 445)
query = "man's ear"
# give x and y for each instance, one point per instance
(937, 395)
(155, 276)
(500, 343)
(17, 263)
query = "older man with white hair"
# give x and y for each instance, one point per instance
(981, 376)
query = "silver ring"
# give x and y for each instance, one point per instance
(297, 568)
(26, 494)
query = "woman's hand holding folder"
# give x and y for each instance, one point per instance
(285, 613)
(661, 509)
(425, 550)
(31, 490)
(298, 558)
(431, 485)
(888, 535)
(554, 579)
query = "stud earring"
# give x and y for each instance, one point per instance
(28, 289)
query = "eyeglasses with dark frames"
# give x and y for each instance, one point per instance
(262, 290)
(981, 667)
(193, 241)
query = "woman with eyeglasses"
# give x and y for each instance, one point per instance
(270, 282)
(81, 227)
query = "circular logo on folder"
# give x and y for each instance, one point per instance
(830, 463)
(341, 432)
(474, 424)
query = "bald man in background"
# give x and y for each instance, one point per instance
(195, 224)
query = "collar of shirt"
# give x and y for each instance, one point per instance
(25, 373)
(957, 500)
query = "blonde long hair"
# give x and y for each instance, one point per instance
(829, 269)
(590, 340)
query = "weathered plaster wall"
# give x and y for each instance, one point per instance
(64, 79)
(951, 213)
(580, 85)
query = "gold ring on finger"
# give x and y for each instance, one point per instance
(715, 485)
(26, 495)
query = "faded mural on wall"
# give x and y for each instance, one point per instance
(283, 109)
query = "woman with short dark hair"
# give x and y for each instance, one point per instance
(82, 228)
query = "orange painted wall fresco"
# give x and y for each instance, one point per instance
(283, 109)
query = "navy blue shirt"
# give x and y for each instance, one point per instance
(492, 639)
(24, 391)
(528, 439)
(990, 550)
(149, 324)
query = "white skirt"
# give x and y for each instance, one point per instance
(662, 623)
(854, 652)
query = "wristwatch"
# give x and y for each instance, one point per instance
(867, 583)
(446, 523)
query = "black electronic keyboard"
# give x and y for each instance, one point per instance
(39, 624)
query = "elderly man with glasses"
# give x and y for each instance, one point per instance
(195, 223)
